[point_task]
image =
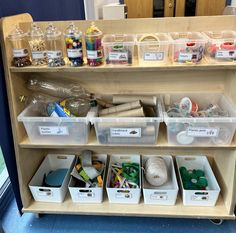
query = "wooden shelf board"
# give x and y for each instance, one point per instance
(105, 208)
(133, 68)
(93, 144)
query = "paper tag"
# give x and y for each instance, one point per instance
(39, 54)
(202, 132)
(73, 53)
(54, 54)
(154, 56)
(93, 54)
(125, 132)
(123, 195)
(20, 52)
(199, 198)
(188, 56)
(225, 54)
(53, 130)
(158, 197)
(118, 56)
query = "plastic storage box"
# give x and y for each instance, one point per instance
(187, 47)
(128, 130)
(153, 49)
(221, 46)
(165, 194)
(206, 197)
(201, 131)
(118, 49)
(51, 194)
(88, 195)
(56, 130)
(123, 195)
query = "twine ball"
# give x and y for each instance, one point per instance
(156, 171)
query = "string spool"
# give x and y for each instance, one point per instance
(156, 171)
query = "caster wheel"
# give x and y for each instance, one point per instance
(217, 221)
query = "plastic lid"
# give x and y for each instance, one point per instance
(184, 139)
(52, 31)
(17, 33)
(35, 31)
(92, 30)
(72, 31)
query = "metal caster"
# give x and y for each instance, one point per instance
(217, 221)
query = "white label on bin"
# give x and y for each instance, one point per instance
(158, 197)
(202, 132)
(123, 195)
(44, 193)
(199, 198)
(86, 195)
(20, 52)
(225, 54)
(92, 54)
(154, 56)
(39, 54)
(125, 132)
(188, 56)
(54, 54)
(53, 130)
(118, 56)
(73, 53)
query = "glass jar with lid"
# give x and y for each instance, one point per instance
(73, 40)
(94, 48)
(20, 48)
(37, 46)
(54, 46)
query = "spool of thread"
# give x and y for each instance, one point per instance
(156, 171)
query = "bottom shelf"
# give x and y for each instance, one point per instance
(141, 210)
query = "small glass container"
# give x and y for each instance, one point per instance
(73, 40)
(94, 46)
(38, 46)
(20, 48)
(54, 46)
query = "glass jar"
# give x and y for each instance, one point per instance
(37, 45)
(73, 39)
(94, 48)
(20, 48)
(54, 46)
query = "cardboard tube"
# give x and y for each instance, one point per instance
(121, 108)
(104, 103)
(149, 111)
(146, 100)
(138, 112)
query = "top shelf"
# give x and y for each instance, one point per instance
(133, 68)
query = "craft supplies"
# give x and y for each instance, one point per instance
(153, 49)
(118, 49)
(37, 45)
(20, 48)
(156, 171)
(73, 40)
(54, 46)
(188, 47)
(221, 46)
(146, 100)
(94, 47)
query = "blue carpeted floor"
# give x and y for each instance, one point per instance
(28, 223)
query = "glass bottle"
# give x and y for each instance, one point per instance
(20, 48)
(73, 40)
(37, 45)
(94, 48)
(54, 46)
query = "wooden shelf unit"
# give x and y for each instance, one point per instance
(207, 78)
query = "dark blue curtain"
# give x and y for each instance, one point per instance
(43, 10)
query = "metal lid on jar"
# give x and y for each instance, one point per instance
(17, 33)
(93, 30)
(52, 31)
(72, 31)
(35, 31)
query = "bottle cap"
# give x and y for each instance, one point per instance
(93, 103)
(183, 139)
(187, 105)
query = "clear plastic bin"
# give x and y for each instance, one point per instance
(153, 49)
(201, 131)
(188, 47)
(165, 194)
(206, 197)
(56, 130)
(118, 49)
(221, 46)
(128, 130)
